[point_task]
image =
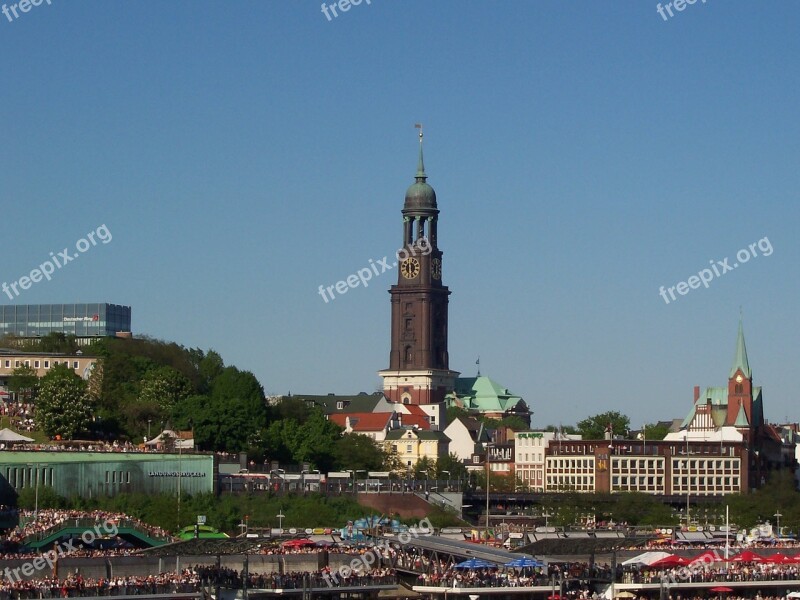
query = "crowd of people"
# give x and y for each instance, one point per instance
(78, 586)
(34, 523)
(230, 578)
(187, 580)
(714, 572)
(20, 415)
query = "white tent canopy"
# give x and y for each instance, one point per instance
(10, 437)
(648, 558)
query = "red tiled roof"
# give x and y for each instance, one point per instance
(363, 421)
(415, 420)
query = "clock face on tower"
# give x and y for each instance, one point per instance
(739, 378)
(409, 268)
(436, 268)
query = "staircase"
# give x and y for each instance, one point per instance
(393, 503)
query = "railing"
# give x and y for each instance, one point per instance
(34, 591)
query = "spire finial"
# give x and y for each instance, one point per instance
(420, 163)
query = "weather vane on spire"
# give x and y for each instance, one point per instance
(419, 126)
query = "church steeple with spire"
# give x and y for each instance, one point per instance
(740, 386)
(419, 371)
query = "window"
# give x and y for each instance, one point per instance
(36, 364)
(16, 364)
(339, 405)
(408, 449)
(75, 364)
(8, 364)
(47, 364)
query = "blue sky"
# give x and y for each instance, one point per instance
(584, 154)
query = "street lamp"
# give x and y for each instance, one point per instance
(448, 478)
(280, 516)
(488, 446)
(778, 516)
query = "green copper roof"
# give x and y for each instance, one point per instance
(421, 163)
(719, 397)
(740, 360)
(420, 195)
(482, 394)
(741, 418)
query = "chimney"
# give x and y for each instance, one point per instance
(696, 393)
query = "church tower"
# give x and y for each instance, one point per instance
(740, 389)
(419, 365)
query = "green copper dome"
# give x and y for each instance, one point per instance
(420, 195)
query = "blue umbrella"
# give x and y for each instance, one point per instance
(524, 562)
(474, 563)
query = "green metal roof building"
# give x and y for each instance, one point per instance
(487, 397)
(89, 474)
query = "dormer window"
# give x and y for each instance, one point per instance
(340, 405)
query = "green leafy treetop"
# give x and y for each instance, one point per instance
(23, 383)
(62, 407)
(595, 428)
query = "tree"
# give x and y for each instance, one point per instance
(317, 441)
(456, 471)
(425, 468)
(655, 431)
(359, 453)
(595, 428)
(565, 429)
(232, 418)
(164, 387)
(23, 382)
(210, 367)
(62, 407)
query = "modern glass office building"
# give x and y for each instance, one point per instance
(81, 320)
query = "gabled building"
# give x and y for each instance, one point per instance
(432, 416)
(378, 425)
(488, 398)
(411, 445)
(467, 437)
(372, 425)
(738, 405)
